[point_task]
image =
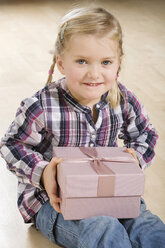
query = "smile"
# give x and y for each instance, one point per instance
(93, 84)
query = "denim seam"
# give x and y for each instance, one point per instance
(51, 228)
(135, 244)
(71, 233)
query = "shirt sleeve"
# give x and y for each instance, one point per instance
(17, 147)
(137, 131)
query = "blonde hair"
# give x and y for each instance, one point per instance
(89, 20)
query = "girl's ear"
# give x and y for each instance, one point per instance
(59, 63)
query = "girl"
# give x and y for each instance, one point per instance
(85, 108)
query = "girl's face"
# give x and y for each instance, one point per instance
(90, 65)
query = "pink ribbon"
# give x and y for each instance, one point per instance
(106, 185)
(106, 179)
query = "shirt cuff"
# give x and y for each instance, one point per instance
(142, 163)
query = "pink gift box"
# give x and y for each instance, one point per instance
(98, 181)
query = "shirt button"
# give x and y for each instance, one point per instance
(91, 145)
(93, 136)
(97, 106)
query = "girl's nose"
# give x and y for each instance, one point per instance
(93, 72)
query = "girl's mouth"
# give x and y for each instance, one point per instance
(93, 84)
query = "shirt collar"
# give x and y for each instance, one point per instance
(62, 87)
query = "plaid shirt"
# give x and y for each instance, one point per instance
(52, 117)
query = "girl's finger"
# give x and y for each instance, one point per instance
(55, 161)
(133, 153)
(56, 206)
(55, 203)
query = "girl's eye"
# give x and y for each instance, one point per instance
(106, 62)
(81, 61)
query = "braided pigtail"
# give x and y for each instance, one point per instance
(114, 95)
(51, 70)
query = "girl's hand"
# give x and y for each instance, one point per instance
(48, 179)
(133, 153)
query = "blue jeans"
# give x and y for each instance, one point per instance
(146, 231)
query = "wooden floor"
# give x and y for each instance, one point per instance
(27, 34)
